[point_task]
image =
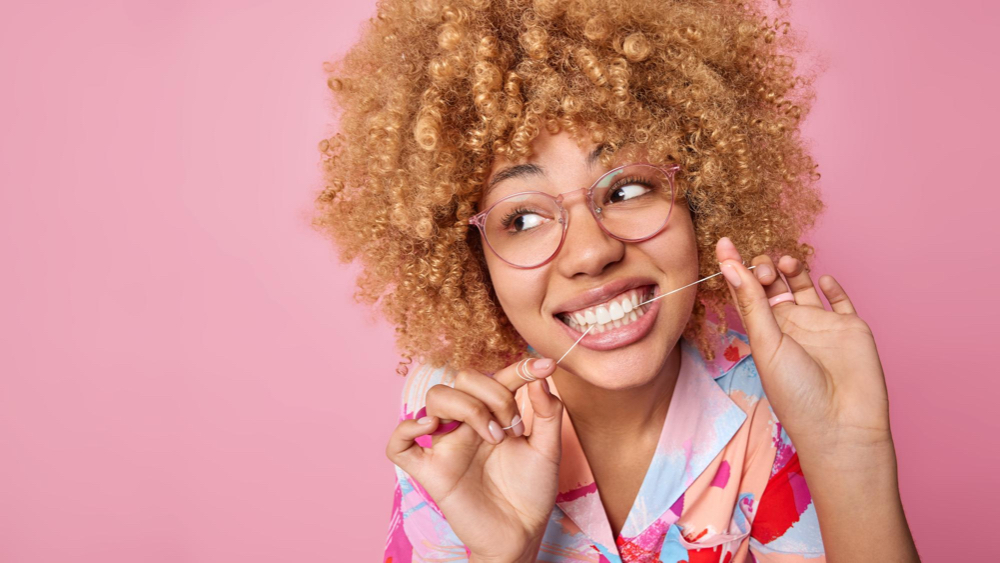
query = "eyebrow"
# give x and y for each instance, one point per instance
(524, 170)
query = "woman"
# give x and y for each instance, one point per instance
(526, 179)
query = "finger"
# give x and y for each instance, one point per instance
(546, 422)
(462, 434)
(403, 449)
(516, 375)
(495, 395)
(724, 249)
(769, 276)
(452, 404)
(800, 282)
(836, 295)
(751, 302)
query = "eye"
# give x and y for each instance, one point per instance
(522, 220)
(629, 188)
(627, 192)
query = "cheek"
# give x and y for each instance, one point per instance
(520, 292)
(677, 252)
(685, 241)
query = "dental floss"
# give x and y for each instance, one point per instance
(521, 368)
(680, 288)
(529, 378)
(575, 343)
(650, 301)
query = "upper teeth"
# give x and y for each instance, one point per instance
(623, 309)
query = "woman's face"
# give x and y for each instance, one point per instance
(591, 270)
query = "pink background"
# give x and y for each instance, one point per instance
(185, 377)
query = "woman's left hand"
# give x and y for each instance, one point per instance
(819, 368)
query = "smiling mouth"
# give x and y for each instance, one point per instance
(621, 310)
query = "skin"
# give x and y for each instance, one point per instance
(819, 368)
(616, 393)
(498, 496)
(822, 374)
(590, 258)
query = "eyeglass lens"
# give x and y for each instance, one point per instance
(632, 203)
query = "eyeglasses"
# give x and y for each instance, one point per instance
(632, 203)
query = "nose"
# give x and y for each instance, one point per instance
(587, 248)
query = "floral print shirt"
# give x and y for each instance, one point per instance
(724, 484)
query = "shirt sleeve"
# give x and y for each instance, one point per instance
(785, 528)
(417, 529)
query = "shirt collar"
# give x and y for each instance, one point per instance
(701, 420)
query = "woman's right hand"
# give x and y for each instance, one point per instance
(497, 495)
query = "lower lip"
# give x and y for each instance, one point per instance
(616, 337)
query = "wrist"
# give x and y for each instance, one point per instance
(845, 453)
(847, 476)
(841, 480)
(855, 490)
(857, 467)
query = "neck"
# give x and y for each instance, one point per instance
(614, 413)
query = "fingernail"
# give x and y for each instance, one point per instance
(545, 384)
(496, 432)
(424, 420)
(542, 364)
(730, 273)
(727, 244)
(518, 428)
(763, 270)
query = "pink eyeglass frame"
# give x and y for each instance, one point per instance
(479, 219)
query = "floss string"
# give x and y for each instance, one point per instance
(522, 365)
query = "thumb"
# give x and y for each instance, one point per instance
(754, 308)
(546, 424)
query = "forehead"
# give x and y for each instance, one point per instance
(552, 157)
(562, 150)
(550, 154)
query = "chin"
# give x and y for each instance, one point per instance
(625, 369)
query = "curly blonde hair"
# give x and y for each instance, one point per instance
(435, 90)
